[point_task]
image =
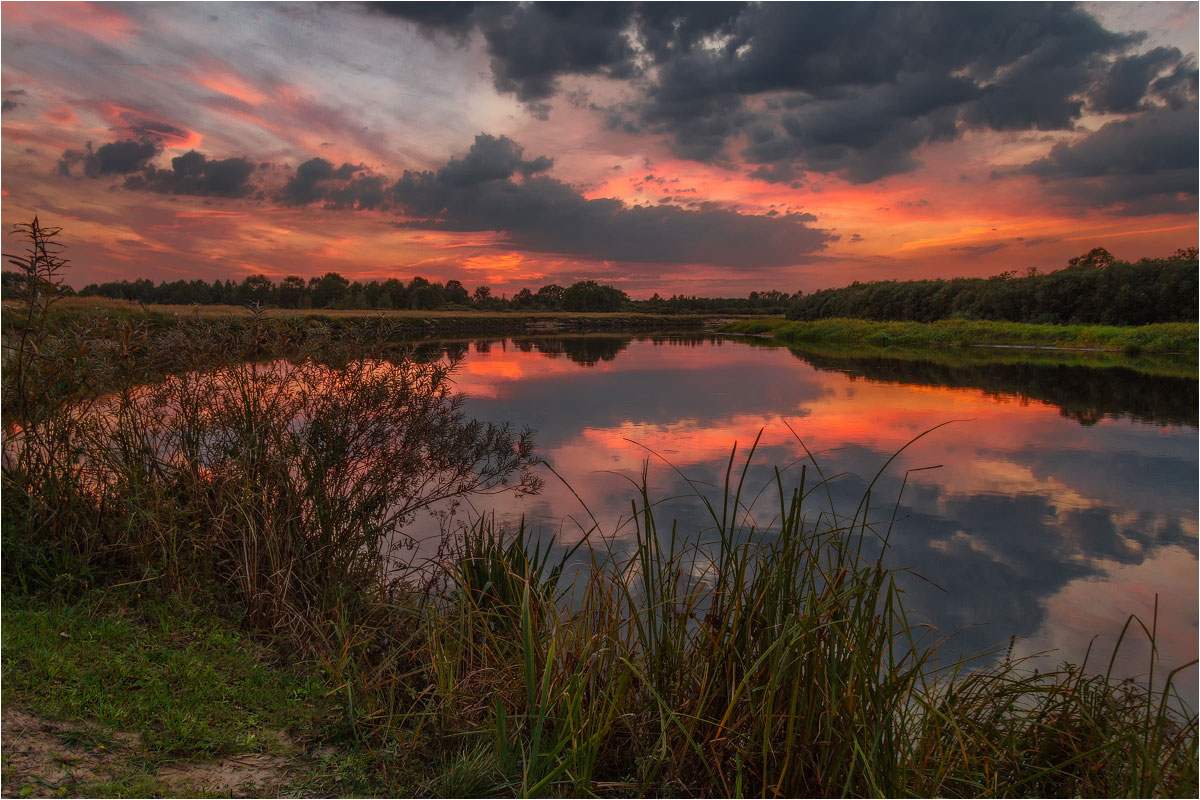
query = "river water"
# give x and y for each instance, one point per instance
(1060, 499)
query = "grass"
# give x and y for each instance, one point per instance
(406, 321)
(184, 681)
(1169, 337)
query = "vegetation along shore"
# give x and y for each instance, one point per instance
(1164, 337)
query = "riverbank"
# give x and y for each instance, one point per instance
(403, 323)
(1162, 338)
(127, 692)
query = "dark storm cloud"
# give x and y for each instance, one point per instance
(1145, 164)
(195, 174)
(491, 158)
(442, 17)
(122, 157)
(493, 187)
(363, 193)
(531, 45)
(310, 183)
(1123, 88)
(543, 214)
(849, 89)
(865, 134)
(113, 158)
(858, 88)
(1178, 87)
(7, 105)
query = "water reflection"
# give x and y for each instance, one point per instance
(1084, 394)
(1060, 483)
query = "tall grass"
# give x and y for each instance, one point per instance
(773, 661)
(771, 658)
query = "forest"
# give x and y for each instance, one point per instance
(1095, 288)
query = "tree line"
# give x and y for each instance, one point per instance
(1094, 288)
(335, 291)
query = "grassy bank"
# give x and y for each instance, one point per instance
(406, 322)
(131, 686)
(1172, 337)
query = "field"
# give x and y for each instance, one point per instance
(408, 322)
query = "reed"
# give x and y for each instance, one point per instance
(773, 661)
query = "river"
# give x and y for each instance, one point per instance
(1059, 499)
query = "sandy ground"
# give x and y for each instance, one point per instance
(55, 759)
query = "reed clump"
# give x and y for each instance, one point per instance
(770, 654)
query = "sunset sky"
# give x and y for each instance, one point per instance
(712, 148)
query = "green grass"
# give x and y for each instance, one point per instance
(1169, 337)
(186, 682)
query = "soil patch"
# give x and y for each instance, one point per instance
(42, 758)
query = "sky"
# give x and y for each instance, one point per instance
(709, 148)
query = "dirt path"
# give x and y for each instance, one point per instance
(41, 758)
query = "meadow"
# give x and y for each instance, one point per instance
(219, 511)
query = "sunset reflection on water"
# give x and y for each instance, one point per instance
(1045, 518)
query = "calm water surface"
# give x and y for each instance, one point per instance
(1064, 497)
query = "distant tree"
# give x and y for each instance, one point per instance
(592, 296)
(397, 294)
(257, 289)
(291, 290)
(426, 297)
(1096, 257)
(328, 290)
(456, 292)
(482, 295)
(523, 299)
(550, 296)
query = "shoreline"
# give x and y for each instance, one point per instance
(1168, 339)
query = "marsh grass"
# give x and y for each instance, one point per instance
(773, 661)
(1167, 337)
(770, 656)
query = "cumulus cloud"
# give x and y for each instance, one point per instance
(850, 89)
(1123, 88)
(531, 45)
(542, 214)
(494, 187)
(195, 174)
(490, 158)
(114, 158)
(1144, 164)
(310, 183)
